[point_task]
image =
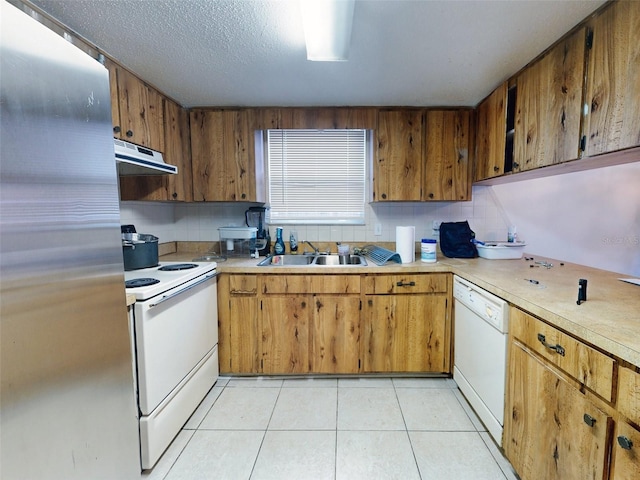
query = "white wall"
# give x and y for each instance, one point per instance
(591, 218)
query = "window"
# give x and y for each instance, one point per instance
(316, 176)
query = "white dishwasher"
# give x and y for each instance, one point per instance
(480, 352)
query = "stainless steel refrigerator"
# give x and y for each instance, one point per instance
(67, 406)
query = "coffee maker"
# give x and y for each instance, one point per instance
(258, 217)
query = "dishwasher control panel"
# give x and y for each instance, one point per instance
(487, 306)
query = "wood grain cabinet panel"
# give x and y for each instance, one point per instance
(549, 106)
(448, 142)
(405, 323)
(588, 366)
(613, 94)
(239, 341)
(137, 109)
(552, 431)
(285, 334)
(626, 452)
(223, 156)
(491, 130)
(335, 334)
(398, 163)
(629, 394)
(178, 187)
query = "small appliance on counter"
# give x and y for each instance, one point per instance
(138, 250)
(258, 217)
(238, 241)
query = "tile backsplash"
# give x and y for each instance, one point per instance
(200, 221)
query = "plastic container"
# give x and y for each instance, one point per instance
(501, 250)
(428, 250)
(278, 247)
(237, 241)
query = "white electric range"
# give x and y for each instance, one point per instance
(175, 343)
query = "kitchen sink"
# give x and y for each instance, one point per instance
(314, 260)
(288, 260)
(340, 260)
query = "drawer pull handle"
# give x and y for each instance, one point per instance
(406, 284)
(589, 420)
(625, 442)
(556, 348)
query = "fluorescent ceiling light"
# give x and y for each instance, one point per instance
(327, 28)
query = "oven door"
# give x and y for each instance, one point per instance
(174, 331)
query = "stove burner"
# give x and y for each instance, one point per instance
(178, 266)
(140, 282)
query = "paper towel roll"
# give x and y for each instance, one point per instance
(405, 243)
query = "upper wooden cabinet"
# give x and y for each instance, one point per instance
(223, 156)
(397, 167)
(327, 118)
(137, 109)
(549, 106)
(491, 130)
(447, 164)
(177, 152)
(613, 89)
(422, 155)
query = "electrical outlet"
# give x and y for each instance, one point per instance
(377, 229)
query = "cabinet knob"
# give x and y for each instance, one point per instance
(384, 195)
(625, 442)
(174, 194)
(431, 195)
(496, 168)
(516, 165)
(129, 133)
(116, 129)
(244, 195)
(589, 420)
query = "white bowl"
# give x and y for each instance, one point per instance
(501, 250)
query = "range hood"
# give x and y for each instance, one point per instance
(132, 159)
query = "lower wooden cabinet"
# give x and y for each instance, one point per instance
(406, 324)
(302, 324)
(626, 452)
(552, 430)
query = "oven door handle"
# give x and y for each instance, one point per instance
(168, 297)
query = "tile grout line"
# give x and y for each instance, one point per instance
(264, 435)
(406, 429)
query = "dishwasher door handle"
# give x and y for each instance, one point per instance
(556, 348)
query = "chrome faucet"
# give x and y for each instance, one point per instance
(315, 250)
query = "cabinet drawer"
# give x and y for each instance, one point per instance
(310, 284)
(629, 395)
(243, 284)
(416, 283)
(587, 365)
(626, 452)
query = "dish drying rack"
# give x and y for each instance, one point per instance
(378, 255)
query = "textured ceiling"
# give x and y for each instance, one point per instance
(252, 53)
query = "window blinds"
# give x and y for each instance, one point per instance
(316, 176)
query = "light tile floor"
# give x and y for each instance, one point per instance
(346, 428)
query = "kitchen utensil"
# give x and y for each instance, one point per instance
(139, 250)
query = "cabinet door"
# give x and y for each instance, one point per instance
(177, 187)
(223, 156)
(244, 340)
(447, 154)
(285, 334)
(614, 80)
(141, 111)
(335, 333)
(552, 431)
(626, 452)
(491, 130)
(549, 106)
(397, 170)
(333, 118)
(405, 333)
